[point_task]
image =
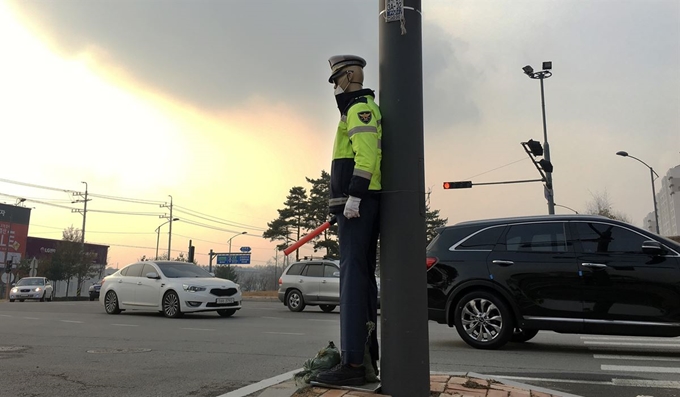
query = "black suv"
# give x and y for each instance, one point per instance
(501, 280)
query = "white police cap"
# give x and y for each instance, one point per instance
(338, 62)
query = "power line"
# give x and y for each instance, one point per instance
(212, 218)
(498, 168)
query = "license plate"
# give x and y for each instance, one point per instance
(23, 295)
(225, 300)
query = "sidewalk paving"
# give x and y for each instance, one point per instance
(459, 384)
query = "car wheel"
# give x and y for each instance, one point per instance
(327, 308)
(171, 305)
(111, 303)
(520, 335)
(226, 312)
(296, 302)
(483, 320)
(11, 300)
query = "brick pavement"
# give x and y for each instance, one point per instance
(440, 386)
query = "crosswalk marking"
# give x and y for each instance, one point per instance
(648, 344)
(631, 368)
(637, 339)
(639, 358)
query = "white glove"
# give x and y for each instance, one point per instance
(352, 207)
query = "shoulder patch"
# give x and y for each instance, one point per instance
(365, 117)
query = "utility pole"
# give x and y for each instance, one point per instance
(171, 219)
(404, 355)
(82, 231)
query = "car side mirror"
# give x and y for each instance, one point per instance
(336, 274)
(652, 247)
(153, 275)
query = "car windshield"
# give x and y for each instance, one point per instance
(31, 281)
(177, 270)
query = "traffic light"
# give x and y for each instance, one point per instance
(535, 148)
(458, 185)
(546, 165)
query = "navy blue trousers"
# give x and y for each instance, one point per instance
(358, 239)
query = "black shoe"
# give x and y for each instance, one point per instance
(343, 375)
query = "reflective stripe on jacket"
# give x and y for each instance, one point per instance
(355, 170)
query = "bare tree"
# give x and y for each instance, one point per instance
(602, 205)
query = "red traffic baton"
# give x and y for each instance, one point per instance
(310, 235)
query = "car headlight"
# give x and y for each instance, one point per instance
(14, 290)
(38, 289)
(192, 288)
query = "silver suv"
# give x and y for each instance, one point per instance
(312, 282)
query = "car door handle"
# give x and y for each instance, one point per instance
(139, 283)
(120, 281)
(502, 263)
(588, 264)
(323, 281)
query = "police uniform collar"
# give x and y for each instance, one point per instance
(347, 99)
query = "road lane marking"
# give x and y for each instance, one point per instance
(71, 321)
(198, 329)
(5, 315)
(639, 358)
(327, 321)
(633, 344)
(31, 318)
(283, 333)
(273, 318)
(126, 325)
(632, 368)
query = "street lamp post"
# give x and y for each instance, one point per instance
(158, 234)
(230, 243)
(651, 173)
(541, 75)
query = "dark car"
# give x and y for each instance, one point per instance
(502, 280)
(94, 290)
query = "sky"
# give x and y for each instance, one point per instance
(223, 106)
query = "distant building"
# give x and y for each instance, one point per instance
(668, 204)
(42, 249)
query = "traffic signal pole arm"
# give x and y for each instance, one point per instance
(469, 184)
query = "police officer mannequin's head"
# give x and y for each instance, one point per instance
(351, 78)
(347, 73)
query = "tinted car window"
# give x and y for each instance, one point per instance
(177, 270)
(314, 270)
(328, 270)
(606, 238)
(123, 272)
(135, 270)
(296, 269)
(536, 237)
(148, 269)
(482, 241)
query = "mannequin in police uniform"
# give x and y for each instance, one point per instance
(355, 185)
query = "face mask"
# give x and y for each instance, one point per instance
(338, 91)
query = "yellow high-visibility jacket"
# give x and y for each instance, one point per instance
(355, 170)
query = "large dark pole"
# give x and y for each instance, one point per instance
(404, 361)
(546, 148)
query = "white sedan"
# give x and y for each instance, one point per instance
(32, 288)
(171, 287)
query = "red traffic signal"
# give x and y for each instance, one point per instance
(458, 185)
